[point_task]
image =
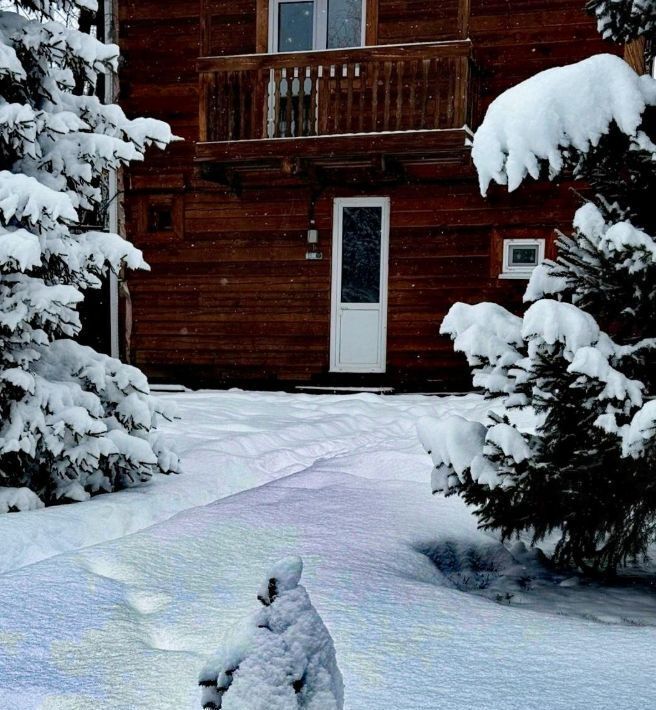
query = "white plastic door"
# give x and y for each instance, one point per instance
(359, 284)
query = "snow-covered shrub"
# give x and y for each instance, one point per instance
(280, 658)
(19, 500)
(581, 358)
(72, 422)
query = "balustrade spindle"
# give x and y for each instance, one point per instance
(452, 68)
(411, 118)
(374, 98)
(314, 93)
(289, 115)
(388, 99)
(438, 93)
(400, 78)
(362, 71)
(425, 68)
(337, 99)
(243, 97)
(277, 79)
(350, 70)
(324, 100)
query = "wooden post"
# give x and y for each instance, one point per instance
(464, 13)
(461, 92)
(262, 27)
(203, 111)
(371, 24)
(205, 29)
(634, 55)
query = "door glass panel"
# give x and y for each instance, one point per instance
(295, 26)
(344, 24)
(361, 245)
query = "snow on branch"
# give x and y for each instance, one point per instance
(560, 109)
(461, 449)
(48, 7)
(554, 322)
(623, 20)
(453, 443)
(489, 336)
(23, 197)
(638, 438)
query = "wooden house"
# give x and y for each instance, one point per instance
(322, 213)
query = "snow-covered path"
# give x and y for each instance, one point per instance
(229, 442)
(342, 481)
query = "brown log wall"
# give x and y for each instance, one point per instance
(230, 298)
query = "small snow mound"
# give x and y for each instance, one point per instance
(280, 658)
(18, 500)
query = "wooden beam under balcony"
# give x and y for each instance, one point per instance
(338, 148)
(335, 104)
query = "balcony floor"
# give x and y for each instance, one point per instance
(439, 146)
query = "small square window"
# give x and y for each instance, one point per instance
(156, 217)
(520, 257)
(160, 218)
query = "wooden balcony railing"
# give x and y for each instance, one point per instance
(365, 90)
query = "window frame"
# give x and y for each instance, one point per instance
(520, 271)
(320, 28)
(144, 203)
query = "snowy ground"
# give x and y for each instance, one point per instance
(426, 611)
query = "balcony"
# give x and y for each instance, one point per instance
(335, 107)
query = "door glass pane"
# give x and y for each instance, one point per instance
(295, 26)
(361, 244)
(344, 23)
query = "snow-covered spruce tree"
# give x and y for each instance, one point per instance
(280, 658)
(581, 356)
(72, 422)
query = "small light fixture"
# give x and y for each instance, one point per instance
(313, 253)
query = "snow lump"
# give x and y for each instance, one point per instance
(280, 658)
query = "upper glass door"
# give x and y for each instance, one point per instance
(344, 26)
(295, 25)
(303, 25)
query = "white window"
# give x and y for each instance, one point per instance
(520, 257)
(303, 25)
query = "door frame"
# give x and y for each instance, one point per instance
(336, 281)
